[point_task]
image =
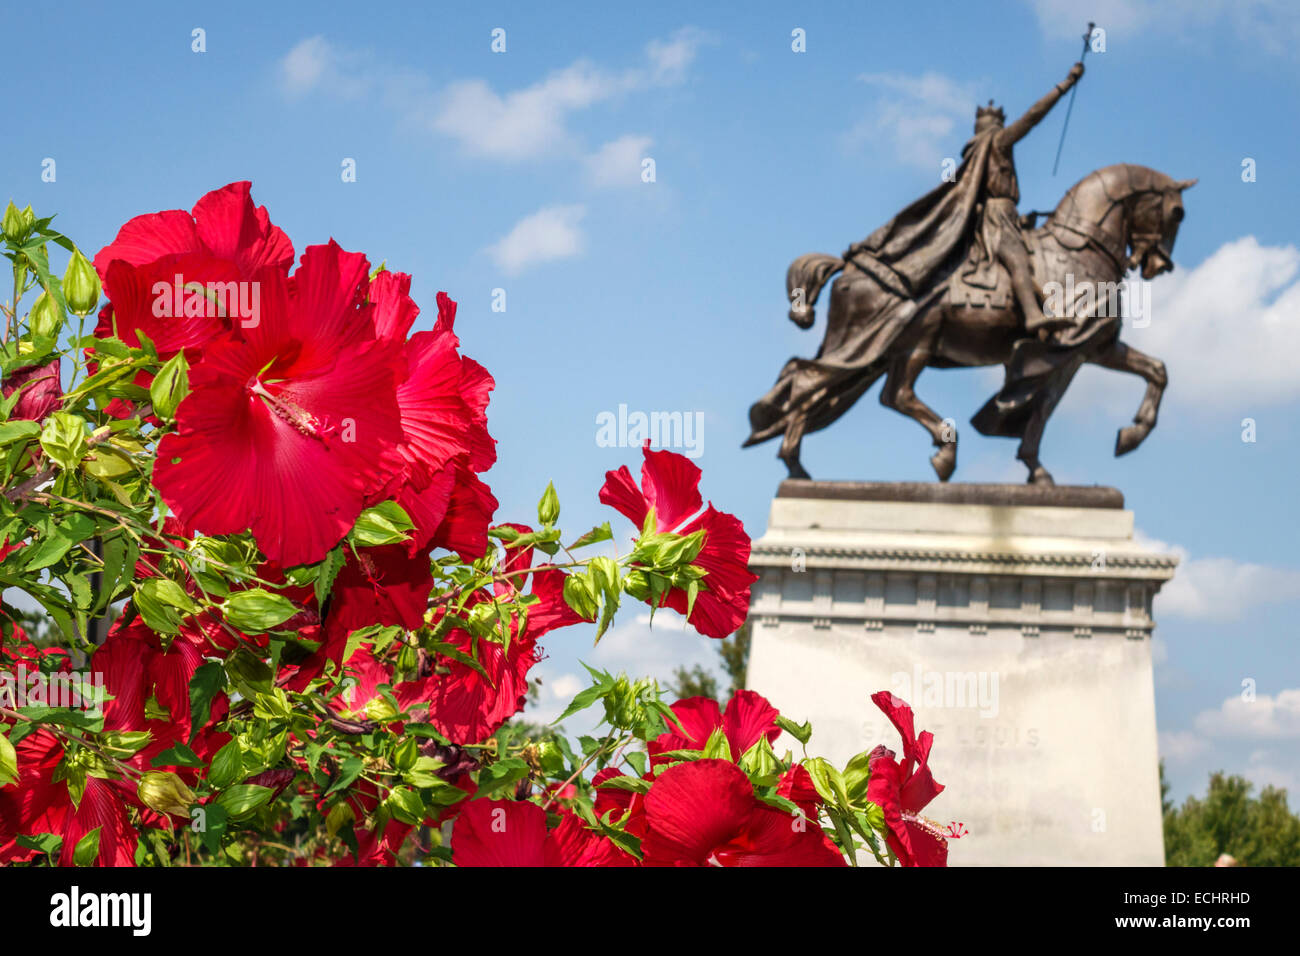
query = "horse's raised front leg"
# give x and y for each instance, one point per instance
(898, 394)
(1124, 358)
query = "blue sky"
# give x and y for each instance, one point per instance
(520, 171)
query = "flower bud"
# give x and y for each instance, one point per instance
(166, 793)
(81, 285)
(46, 317)
(17, 224)
(623, 704)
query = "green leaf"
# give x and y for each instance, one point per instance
(86, 851)
(114, 557)
(256, 610)
(58, 540)
(159, 600)
(227, 766)
(405, 805)
(800, 732)
(582, 701)
(64, 439)
(601, 532)
(47, 843)
(496, 777)
(207, 680)
(170, 386)
(385, 523)
(177, 755)
(328, 571)
(349, 769)
(580, 596)
(8, 762)
(250, 673)
(214, 819)
(123, 744)
(18, 431)
(67, 717)
(242, 799)
(633, 784)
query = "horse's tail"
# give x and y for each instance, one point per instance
(803, 284)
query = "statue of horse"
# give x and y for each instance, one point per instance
(1120, 218)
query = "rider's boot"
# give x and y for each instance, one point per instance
(1036, 320)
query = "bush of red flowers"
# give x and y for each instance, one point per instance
(321, 637)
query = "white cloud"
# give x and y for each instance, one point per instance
(1264, 717)
(523, 123)
(618, 163)
(549, 234)
(510, 126)
(1227, 330)
(316, 64)
(1220, 588)
(670, 59)
(1182, 746)
(923, 119)
(1264, 771)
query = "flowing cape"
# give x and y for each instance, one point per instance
(906, 257)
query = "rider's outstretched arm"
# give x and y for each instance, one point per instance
(1034, 115)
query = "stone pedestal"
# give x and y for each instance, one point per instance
(1016, 620)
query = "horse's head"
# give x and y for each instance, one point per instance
(1154, 217)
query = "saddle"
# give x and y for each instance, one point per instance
(983, 282)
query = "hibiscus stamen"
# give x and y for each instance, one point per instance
(296, 416)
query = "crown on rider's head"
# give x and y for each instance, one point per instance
(989, 117)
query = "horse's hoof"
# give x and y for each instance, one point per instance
(944, 460)
(1040, 476)
(1128, 438)
(796, 469)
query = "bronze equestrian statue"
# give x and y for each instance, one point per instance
(958, 280)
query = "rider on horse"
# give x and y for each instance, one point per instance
(980, 203)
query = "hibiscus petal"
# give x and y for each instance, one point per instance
(149, 237)
(671, 483)
(233, 228)
(749, 717)
(573, 844)
(694, 808)
(499, 833)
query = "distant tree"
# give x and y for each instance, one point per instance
(1254, 831)
(699, 682)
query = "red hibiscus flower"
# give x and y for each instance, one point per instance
(465, 706)
(42, 390)
(220, 246)
(902, 790)
(381, 585)
(443, 400)
(514, 833)
(39, 803)
(704, 813)
(670, 485)
(748, 718)
(224, 225)
(289, 431)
